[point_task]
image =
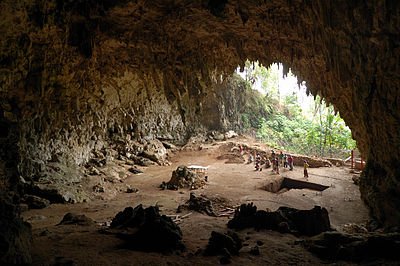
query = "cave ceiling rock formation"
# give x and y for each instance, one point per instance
(72, 73)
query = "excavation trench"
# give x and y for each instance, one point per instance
(284, 184)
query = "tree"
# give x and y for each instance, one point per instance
(282, 122)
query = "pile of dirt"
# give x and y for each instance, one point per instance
(285, 220)
(182, 177)
(232, 158)
(313, 162)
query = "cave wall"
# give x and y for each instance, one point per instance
(75, 73)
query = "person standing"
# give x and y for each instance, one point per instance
(258, 162)
(285, 161)
(281, 158)
(290, 162)
(277, 165)
(306, 165)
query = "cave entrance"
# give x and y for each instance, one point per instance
(281, 112)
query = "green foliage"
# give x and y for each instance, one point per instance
(281, 123)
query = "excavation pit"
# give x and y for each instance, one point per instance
(284, 184)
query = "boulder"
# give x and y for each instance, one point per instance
(150, 231)
(200, 204)
(155, 151)
(225, 244)
(35, 202)
(285, 220)
(182, 177)
(79, 219)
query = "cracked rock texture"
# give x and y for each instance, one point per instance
(74, 75)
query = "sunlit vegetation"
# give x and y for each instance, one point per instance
(288, 119)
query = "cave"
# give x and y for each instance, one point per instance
(79, 76)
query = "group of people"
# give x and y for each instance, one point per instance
(285, 160)
(276, 161)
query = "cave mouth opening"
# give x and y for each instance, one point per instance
(284, 114)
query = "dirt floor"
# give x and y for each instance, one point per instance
(232, 183)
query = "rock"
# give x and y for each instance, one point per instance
(135, 171)
(93, 170)
(79, 219)
(182, 177)
(339, 246)
(285, 219)
(255, 251)
(218, 136)
(336, 161)
(130, 189)
(168, 145)
(151, 231)
(230, 134)
(15, 234)
(142, 161)
(200, 204)
(98, 188)
(58, 183)
(356, 179)
(23, 207)
(225, 244)
(35, 202)
(155, 151)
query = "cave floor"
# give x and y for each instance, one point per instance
(232, 183)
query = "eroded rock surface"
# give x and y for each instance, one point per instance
(15, 234)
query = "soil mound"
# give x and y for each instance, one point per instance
(232, 158)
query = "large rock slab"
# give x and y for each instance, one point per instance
(286, 220)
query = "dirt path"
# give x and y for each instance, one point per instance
(236, 183)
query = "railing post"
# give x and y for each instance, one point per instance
(352, 159)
